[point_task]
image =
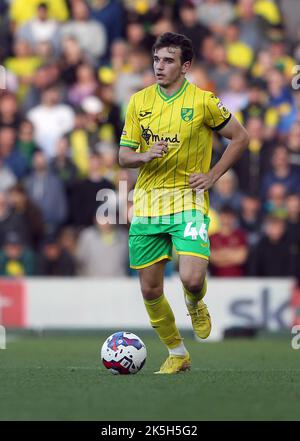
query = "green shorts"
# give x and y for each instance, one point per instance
(151, 239)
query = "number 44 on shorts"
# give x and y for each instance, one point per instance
(192, 231)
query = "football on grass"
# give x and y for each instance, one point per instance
(123, 353)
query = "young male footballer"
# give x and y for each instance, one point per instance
(168, 135)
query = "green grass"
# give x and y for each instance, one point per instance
(61, 378)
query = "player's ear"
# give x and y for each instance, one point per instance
(185, 67)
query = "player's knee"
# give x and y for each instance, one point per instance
(194, 285)
(151, 292)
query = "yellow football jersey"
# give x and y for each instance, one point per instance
(186, 120)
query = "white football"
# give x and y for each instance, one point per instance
(123, 353)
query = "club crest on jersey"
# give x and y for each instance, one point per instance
(187, 114)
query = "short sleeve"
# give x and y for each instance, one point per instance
(216, 114)
(131, 132)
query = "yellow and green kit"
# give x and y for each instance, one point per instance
(186, 120)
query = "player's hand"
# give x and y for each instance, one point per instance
(158, 150)
(201, 181)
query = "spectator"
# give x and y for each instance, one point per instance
(72, 57)
(256, 107)
(281, 172)
(97, 241)
(111, 15)
(262, 65)
(250, 217)
(275, 202)
(271, 257)
(190, 26)
(7, 178)
(210, 9)
(51, 120)
(235, 98)
(9, 112)
(239, 54)
(253, 28)
(282, 100)
(110, 118)
(129, 82)
(293, 216)
(63, 166)
(8, 219)
(229, 250)
(90, 34)
(84, 197)
(28, 215)
(137, 36)
(293, 145)
(225, 192)
(16, 260)
(281, 60)
(25, 141)
(93, 108)
(23, 64)
(293, 230)
(54, 261)
(119, 57)
(9, 154)
(44, 77)
(21, 12)
(108, 155)
(220, 72)
(255, 161)
(84, 86)
(68, 240)
(79, 141)
(46, 190)
(40, 29)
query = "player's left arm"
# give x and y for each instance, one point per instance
(239, 140)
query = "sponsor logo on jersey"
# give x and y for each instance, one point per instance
(144, 113)
(148, 136)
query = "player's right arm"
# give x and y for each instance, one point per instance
(130, 141)
(130, 159)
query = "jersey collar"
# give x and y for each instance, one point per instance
(171, 98)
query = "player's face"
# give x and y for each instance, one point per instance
(167, 66)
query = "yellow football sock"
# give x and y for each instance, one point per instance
(193, 298)
(163, 321)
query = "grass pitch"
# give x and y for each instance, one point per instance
(62, 378)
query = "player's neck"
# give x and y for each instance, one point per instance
(174, 87)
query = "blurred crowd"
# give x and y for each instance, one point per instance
(70, 69)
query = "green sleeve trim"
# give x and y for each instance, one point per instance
(128, 141)
(123, 144)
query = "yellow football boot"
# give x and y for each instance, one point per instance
(200, 319)
(175, 364)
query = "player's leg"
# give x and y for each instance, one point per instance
(192, 270)
(162, 318)
(191, 241)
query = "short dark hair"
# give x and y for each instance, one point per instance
(228, 209)
(170, 39)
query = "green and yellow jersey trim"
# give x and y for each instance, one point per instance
(172, 98)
